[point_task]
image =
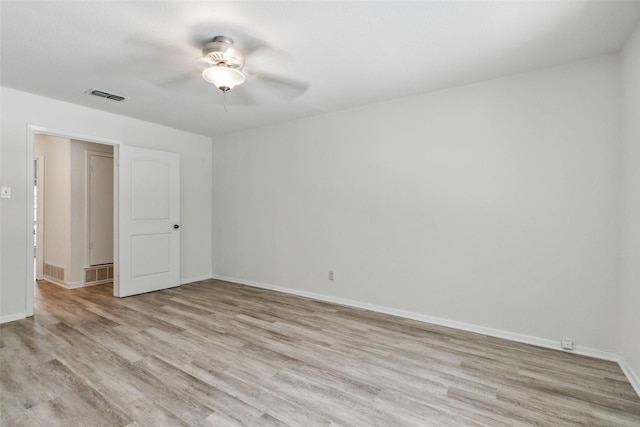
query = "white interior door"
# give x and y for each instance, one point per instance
(149, 218)
(100, 209)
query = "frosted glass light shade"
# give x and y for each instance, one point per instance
(224, 78)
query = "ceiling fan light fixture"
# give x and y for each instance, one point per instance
(224, 78)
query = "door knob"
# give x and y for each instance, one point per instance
(176, 226)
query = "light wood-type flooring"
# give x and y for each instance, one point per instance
(215, 353)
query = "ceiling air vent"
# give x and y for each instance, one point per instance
(103, 94)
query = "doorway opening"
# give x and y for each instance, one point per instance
(57, 230)
(73, 211)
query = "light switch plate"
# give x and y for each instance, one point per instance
(5, 192)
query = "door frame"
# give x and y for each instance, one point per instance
(32, 131)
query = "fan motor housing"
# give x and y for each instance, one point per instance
(222, 51)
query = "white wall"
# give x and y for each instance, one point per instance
(630, 229)
(494, 204)
(20, 109)
(57, 200)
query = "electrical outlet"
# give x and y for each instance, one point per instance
(566, 344)
(330, 274)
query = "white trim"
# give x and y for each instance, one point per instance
(194, 279)
(56, 281)
(13, 317)
(72, 135)
(498, 333)
(116, 220)
(32, 130)
(99, 282)
(76, 285)
(31, 279)
(631, 375)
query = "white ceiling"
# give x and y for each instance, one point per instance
(349, 52)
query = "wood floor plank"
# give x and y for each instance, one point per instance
(214, 353)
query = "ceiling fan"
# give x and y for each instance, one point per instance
(227, 65)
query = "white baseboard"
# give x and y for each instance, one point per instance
(99, 282)
(498, 333)
(55, 281)
(631, 375)
(12, 317)
(194, 279)
(75, 285)
(66, 285)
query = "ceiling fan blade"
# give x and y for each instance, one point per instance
(201, 34)
(205, 32)
(284, 86)
(205, 61)
(149, 43)
(178, 80)
(253, 45)
(240, 96)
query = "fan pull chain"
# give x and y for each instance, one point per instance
(224, 97)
